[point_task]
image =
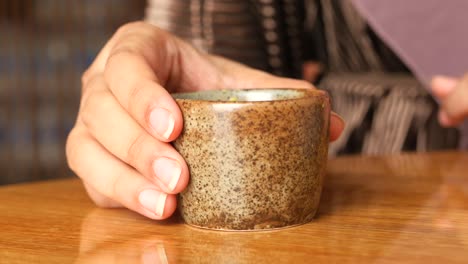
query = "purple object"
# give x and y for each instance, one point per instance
(430, 36)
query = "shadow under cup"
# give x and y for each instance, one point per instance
(257, 157)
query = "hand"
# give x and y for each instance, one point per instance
(311, 70)
(452, 94)
(119, 146)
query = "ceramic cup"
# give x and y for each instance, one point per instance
(257, 157)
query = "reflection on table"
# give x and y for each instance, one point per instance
(410, 208)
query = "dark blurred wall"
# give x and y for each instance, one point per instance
(45, 45)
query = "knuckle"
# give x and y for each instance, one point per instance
(457, 102)
(87, 88)
(129, 26)
(136, 98)
(136, 28)
(101, 202)
(71, 149)
(135, 148)
(86, 112)
(124, 51)
(85, 77)
(95, 104)
(305, 84)
(137, 36)
(116, 189)
(121, 53)
(137, 25)
(99, 199)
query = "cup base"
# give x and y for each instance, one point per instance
(245, 230)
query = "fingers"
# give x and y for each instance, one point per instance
(113, 179)
(136, 62)
(119, 146)
(235, 77)
(100, 61)
(120, 135)
(442, 86)
(311, 70)
(142, 60)
(337, 125)
(453, 96)
(456, 103)
(445, 120)
(100, 199)
(135, 85)
(145, 62)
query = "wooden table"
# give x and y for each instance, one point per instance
(408, 208)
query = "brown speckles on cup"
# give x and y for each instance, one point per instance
(256, 157)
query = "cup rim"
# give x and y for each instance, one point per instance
(308, 92)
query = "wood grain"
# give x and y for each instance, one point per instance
(407, 208)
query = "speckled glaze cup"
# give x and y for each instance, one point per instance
(257, 157)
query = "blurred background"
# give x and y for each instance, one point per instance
(45, 45)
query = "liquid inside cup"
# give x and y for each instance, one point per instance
(253, 95)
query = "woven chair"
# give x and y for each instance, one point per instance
(387, 110)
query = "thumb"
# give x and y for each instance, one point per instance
(238, 76)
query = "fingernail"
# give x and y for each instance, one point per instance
(162, 122)
(444, 85)
(153, 200)
(168, 171)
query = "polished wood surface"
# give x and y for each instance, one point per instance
(407, 208)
